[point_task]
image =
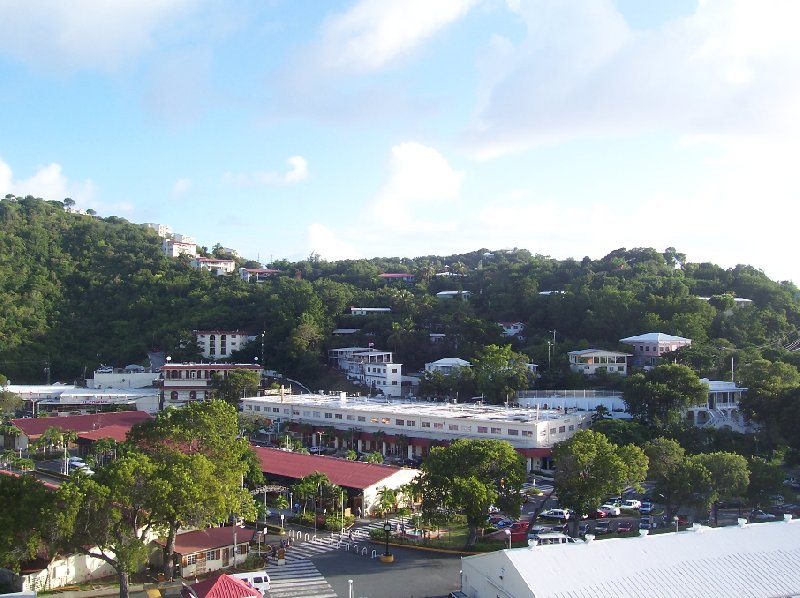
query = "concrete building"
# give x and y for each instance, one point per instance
(184, 382)
(162, 230)
(588, 361)
(512, 329)
(173, 247)
(756, 560)
(219, 344)
(408, 429)
(454, 295)
(721, 407)
(215, 265)
(369, 311)
(447, 365)
(648, 348)
(397, 276)
(369, 367)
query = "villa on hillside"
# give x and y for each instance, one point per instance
(648, 348)
(589, 361)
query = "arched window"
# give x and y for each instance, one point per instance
(173, 396)
(192, 395)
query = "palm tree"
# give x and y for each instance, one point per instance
(387, 499)
(600, 412)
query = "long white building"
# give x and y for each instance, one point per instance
(409, 428)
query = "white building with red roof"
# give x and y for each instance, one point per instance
(361, 481)
(257, 274)
(210, 549)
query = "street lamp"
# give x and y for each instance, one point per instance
(387, 527)
(508, 534)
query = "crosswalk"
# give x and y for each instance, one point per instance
(299, 577)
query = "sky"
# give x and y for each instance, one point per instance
(386, 128)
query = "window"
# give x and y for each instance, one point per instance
(362, 418)
(287, 411)
(497, 431)
(306, 413)
(212, 555)
(527, 432)
(466, 428)
(316, 414)
(438, 426)
(394, 382)
(373, 420)
(426, 424)
(562, 429)
(453, 427)
(513, 432)
(571, 428)
(483, 429)
(411, 422)
(191, 559)
(552, 430)
(276, 410)
(350, 417)
(258, 407)
(394, 370)
(337, 416)
(329, 416)
(400, 422)
(249, 407)
(386, 420)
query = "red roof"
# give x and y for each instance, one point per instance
(210, 539)
(224, 586)
(350, 474)
(118, 433)
(33, 427)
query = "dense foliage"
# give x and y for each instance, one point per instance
(77, 290)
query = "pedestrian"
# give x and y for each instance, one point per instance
(350, 535)
(274, 552)
(358, 512)
(402, 528)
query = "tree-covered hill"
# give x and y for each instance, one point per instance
(76, 291)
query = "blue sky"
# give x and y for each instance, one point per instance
(406, 128)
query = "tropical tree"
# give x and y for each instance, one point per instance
(23, 519)
(500, 372)
(375, 457)
(766, 479)
(659, 397)
(730, 476)
(237, 384)
(591, 468)
(468, 476)
(107, 517)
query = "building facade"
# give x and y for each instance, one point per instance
(215, 265)
(648, 348)
(588, 361)
(369, 367)
(219, 344)
(408, 429)
(447, 365)
(720, 409)
(185, 382)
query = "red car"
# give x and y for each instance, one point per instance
(624, 527)
(598, 514)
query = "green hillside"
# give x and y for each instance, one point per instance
(76, 291)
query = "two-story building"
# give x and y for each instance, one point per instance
(512, 329)
(408, 428)
(369, 367)
(454, 295)
(589, 361)
(215, 265)
(185, 382)
(447, 365)
(648, 348)
(397, 276)
(369, 311)
(720, 409)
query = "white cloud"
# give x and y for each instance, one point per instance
(582, 71)
(330, 245)
(84, 34)
(296, 172)
(181, 186)
(374, 33)
(49, 183)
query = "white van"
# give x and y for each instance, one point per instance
(257, 579)
(551, 538)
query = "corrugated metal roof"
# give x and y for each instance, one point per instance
(224, 586)
(210, 538)
(34, 427)
(350, 474)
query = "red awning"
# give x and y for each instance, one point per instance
(535, 452)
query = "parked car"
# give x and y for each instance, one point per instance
(598, 514)
(583, 529)
(759, 515)
(646, 508)
(682, 520)
(538, 529)
(624, 527)
(76, 462)
(602, 527)
(647, 523)
(631, 504)
(504, 523)
(552, 538)
(559, 514)
(518, 526)
(493, 510)
(611, 510)
(495, 519)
